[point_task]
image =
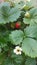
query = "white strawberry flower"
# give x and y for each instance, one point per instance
(17, 50)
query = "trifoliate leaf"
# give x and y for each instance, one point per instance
(31, 31)
(14, 14)
(16, 37)
(8, 14)
(29, 47)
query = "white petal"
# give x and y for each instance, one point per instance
(14, 50)
(18, 53)
(20, 49)
(17, 47)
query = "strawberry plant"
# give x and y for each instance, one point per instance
(18, 33)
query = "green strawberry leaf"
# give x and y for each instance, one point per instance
(14, 14)
(33, 17)
(30, 61)
(31, 31)
(16, 37)
(8, 14)
(29, 47)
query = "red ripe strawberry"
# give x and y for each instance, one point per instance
(17, 25)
